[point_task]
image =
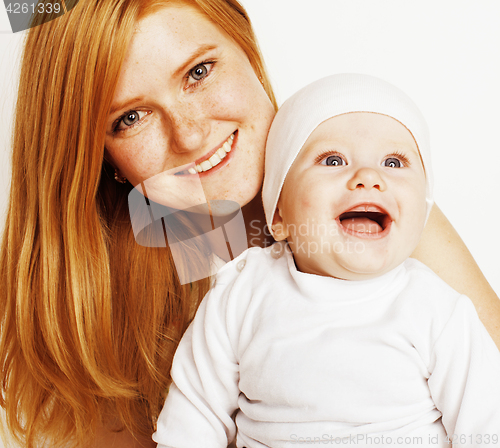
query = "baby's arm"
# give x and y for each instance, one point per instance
(442, 250)
(204, 392)
(464, 379)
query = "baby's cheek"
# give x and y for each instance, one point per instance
(300, 197)
(306, 205)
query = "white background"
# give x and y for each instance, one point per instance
(444, 53)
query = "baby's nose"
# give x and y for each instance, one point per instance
(366, 178)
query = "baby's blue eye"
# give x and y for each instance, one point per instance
(333, 161)
(392, 162)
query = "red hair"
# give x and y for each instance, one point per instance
(89, 319)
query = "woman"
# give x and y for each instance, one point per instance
(90, 319)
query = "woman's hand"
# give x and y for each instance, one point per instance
(442, 249)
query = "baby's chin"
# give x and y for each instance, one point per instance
(374, 260)
(352, 270)
(368, 268)
(357, 273)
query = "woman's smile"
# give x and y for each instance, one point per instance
(211, 160)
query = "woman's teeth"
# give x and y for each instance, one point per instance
(215, 159)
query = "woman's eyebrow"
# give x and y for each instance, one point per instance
(124, 104)
(195, 55)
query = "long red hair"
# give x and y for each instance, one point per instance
(89, 319)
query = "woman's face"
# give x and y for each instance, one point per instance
(188, 94)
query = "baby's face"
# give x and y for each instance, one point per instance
(353, 203)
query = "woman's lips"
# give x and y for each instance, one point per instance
(365, 220)
(215, 159)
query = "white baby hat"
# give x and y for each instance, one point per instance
(335, 95)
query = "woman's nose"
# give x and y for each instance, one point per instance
(189, 131)
(366, 178)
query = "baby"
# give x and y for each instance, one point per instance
(335, 336)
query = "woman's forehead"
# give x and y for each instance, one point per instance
(164, 46)
(176, 18)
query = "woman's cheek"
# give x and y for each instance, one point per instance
(228, 102)
(141, 156)
(240, 91)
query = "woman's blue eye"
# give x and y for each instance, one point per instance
(199, 72)
(392, 162)
(333, 161)
(131, 118)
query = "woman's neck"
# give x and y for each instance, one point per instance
(255, 223)
(256, 229)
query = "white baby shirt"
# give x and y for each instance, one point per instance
(282, 358)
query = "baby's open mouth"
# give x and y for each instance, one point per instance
(368, 219)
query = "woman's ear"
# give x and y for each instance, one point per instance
(280, 230)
